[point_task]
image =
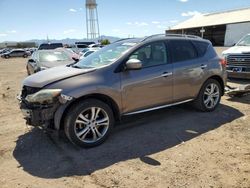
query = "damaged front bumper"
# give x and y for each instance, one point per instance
(41, 114)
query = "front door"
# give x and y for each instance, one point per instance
(150, 86)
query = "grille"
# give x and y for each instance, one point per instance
(239, 60)
(28, 90)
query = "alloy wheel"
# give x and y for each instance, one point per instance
(91, 124)
(211, 95)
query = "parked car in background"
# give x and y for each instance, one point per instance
(31, 50)
(238, 59)
(127, 77)
(80, 46)
(88, 49)
(71, 53)
(44, 59)
(16, 53)
(95, 46)
(88, 52)
(2, 51)
(50, 46)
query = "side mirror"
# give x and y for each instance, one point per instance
(133, 64)
(31, 61)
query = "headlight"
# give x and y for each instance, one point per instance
(44, 96)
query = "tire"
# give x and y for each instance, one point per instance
(81, 124)
(206, 102)
(7, 57)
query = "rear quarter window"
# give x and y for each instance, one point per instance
(201, 47)
(182, 50)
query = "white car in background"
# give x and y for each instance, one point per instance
(87, 52)
(238, 59)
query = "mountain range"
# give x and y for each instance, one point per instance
(72, 41)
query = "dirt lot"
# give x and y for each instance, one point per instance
(174, 147)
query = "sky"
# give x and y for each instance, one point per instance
(22, 20)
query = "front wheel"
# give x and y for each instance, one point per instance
(89, 123)
(209, 96)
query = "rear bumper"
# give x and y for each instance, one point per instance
(243, 75)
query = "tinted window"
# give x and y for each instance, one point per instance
(182, 50)
(50, 46)
(82, 46)
(151, 55)
(201, 47)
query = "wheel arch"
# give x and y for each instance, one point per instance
(221, 82)
(61, 112)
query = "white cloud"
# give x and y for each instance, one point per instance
(183, 1)
(12, 31)
(174, 21)
(139, 24)
(162, 27)
(142, 24)
(72, 10)
(116, 30)
(69, 31)
(3, 34)
(156, 22)
(191, 13)
(80, 9)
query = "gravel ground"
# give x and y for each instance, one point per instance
(174, 147)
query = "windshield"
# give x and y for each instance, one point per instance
(52, 56)
(105, 56)
(245, 41)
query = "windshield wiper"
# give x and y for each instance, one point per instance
(75, 66)
(71, 64)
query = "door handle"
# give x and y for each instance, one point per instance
(203, 66)
(166, 74)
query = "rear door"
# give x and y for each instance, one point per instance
(189, 69)
(152, 85)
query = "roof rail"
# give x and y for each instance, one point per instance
(152, 36)
(119, 40)
(171, 35)
(183, 35)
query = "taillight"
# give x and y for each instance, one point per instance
(223, 62)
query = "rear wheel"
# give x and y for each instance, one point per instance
(209, 96)
(89, 123)
(7, 57)
(25, 55)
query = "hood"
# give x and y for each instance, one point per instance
(49, 76)
(54, 63)
(237, 50)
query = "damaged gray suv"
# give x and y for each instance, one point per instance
(130, 76)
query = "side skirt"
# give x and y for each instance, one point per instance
(157, 108)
